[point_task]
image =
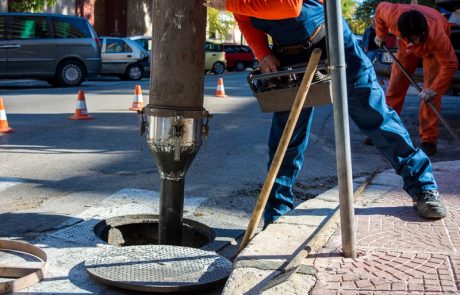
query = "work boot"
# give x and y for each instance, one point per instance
(429, 148)
(429, 205)
(368, 141)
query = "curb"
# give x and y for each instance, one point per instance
(271, 250)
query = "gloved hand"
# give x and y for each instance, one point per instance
(427, 94)
(380, 41)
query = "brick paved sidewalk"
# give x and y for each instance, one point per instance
(399, 252)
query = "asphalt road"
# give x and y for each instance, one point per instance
(59, 167)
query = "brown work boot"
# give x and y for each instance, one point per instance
(368, 141)
(429, 148)
(429, 205)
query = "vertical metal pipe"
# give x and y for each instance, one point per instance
(341, 125)
(171, 212)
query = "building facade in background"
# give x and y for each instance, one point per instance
(108, 17)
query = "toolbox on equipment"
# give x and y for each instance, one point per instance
(276, 91)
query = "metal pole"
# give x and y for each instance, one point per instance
(342, 134)
(175, 111)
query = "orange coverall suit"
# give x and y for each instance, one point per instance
(437, 53)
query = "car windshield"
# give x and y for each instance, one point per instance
(139, 46)
(144, 43)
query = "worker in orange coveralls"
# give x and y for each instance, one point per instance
(423, 34)
(297, 26)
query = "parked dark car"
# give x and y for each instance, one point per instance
(384, 61)
(61, 49)
(239, 57)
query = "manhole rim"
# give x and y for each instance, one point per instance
(205, 230)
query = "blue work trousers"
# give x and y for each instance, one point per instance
(368, 109)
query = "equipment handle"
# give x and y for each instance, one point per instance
(282, 147)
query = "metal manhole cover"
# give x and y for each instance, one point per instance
(159, 268)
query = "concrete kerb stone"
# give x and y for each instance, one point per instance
(272, 249)
(243, 283)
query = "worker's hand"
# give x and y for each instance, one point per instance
(269, 63)
(217, 4)
(427, 94)
(380, 41)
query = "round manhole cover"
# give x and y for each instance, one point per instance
(159, 268)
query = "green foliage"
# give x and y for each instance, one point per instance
(367, 8)
(219, 24)
(348, 11)
(31, 5)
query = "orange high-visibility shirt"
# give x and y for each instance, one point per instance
(437, 41)
(264, 9)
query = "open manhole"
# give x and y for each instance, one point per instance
(142, 229)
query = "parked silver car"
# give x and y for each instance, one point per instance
(124, 58)
(60, 49)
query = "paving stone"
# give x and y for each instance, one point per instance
(386, 232)
(392, 275)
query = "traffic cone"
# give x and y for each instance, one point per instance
(138, 102)
(220, 91)
(81, 113)
(3, 121)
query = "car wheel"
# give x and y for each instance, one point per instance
(218, 68)
(240, 66)
(70, 73)
(255, 65)
(134, 72)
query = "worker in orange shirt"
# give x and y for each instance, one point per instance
(296, 26)
(423, 35)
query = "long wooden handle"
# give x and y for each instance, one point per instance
(282, 147)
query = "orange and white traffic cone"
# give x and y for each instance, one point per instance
(81, 113)
(220, 91)
(138, 102)
(3, 121)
